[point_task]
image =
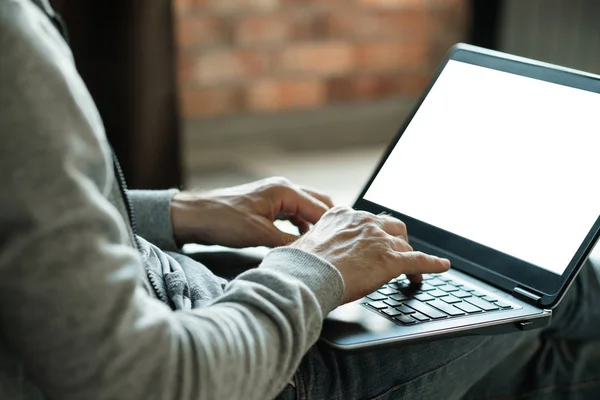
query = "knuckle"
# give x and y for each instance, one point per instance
(420, 258)
(340, 210)
(373, 230)
(401, 224)
(365, 217)
(279, 181)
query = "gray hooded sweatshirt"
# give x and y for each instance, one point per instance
(78, 317)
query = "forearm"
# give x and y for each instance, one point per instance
(85, 329)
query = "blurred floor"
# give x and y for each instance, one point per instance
(340, 173)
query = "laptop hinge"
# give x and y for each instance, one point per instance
(526, 295)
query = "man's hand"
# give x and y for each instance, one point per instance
(243, 216)
(367, 249)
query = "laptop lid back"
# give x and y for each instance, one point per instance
(497, 168)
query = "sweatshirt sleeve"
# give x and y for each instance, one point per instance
(152, 209)
(72, 307)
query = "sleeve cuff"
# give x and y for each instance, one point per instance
(324, 280)
(152, 210)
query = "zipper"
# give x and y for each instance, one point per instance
(58, 22)
(131, 216)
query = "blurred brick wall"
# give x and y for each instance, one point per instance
(257, 56)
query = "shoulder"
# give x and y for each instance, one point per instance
(44, 104)
(28, 37)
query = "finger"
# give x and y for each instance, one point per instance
(415, 262)
(299, 223)
(323, 198)
(297, 202)
(416, 278)
(392, 226)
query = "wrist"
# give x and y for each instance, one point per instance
(182, 213)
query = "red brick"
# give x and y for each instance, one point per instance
(309, 26)
(263, 29)
(449, 24)
(226, 66)
(186, 6)
(371, 87)
(393, 3)
(237, 6)
(193, 31)
(323, 58)
(202, 102)
(283, 94)
(393, 56)
(268, 55)
(185, 69)
(386, 25)
(412, 84)
(365, 87)
(464, 4)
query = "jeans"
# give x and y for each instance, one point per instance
(559, 362)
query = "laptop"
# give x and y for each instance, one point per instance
(497, 170)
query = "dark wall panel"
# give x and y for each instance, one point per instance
(125, 51)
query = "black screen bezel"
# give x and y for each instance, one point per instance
(505, 270)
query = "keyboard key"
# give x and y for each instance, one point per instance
(392, 312)
(378, 304)
(489, 298)
(376, 296)
(447, 308)
(468, 308)
(405, 310)
(388, 290)
(409, 290)
(420, 317)
(425, 287)
(405, 319)
(402, 286)
(444, 277)
(436, 282)
(502, 304)
(398, 297)
(448, 288)
(425, 309)
(477, 294)
(392, 302)
(461, 294)
(484, 305)
(451, 299)
(467, 288)
(423, 297)
(437, 293)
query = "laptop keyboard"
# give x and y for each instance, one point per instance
(438, 297)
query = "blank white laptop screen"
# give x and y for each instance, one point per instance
(506, 161)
